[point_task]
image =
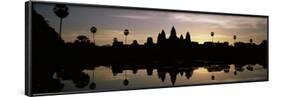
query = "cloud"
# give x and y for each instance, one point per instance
(131, 16)
(201, 20)
(220, 21)
(113, 31)
(198, 19)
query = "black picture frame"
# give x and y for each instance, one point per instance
(29, 47)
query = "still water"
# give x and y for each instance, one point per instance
(102, 78)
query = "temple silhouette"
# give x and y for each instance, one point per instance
(163, 42)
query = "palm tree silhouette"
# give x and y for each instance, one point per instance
(61, 11)
(251, 40)
(126, 33)
(212, 34)
(234, 38)
(93, 30)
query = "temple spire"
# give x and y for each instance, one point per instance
(173, 35)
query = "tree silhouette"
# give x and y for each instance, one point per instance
(212, 35)
(234, 38)
(61, 11)
(251, 40)
(126, 33)
(93, 30)
(135, 44)
(82, 38)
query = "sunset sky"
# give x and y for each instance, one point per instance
(111, 22)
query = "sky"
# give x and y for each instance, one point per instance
(111, 22)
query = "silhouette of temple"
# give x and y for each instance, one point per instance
(173, 41)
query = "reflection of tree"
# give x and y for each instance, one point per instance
(81, 80)
(213, 77)
(250, 67)
(226, 70)
(126, 81)
(217, 68)
(235, 72)
(93, 84)
(61, 11)
(238, 67)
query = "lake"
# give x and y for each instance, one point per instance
(102, 78)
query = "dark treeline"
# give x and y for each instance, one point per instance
(173, 55)
(171, 49)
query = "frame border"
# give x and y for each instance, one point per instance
(28, 46)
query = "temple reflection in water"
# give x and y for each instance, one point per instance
(130, 77)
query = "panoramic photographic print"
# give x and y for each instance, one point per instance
(94, 48)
